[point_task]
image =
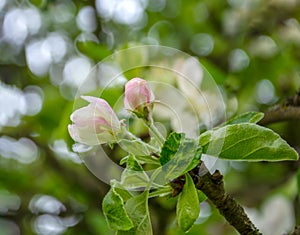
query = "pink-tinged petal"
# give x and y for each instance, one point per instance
(73, 131)
(80, 116)
(101, 121)
(95, 123)
(90, 138)
(84, 136)
(101, 107)
(89, 99)
(138, 95)
(101, 103)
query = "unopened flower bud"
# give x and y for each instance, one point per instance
(94, 124)
(138, 97)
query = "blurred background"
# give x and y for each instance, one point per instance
(48, 47)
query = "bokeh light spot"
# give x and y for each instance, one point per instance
(38, 57)
(129, 12)
(12, 105)
(263, 46)
(8, 202)
(34, 99)
(49, 225)
(202, 44)
(23, 150)
(238, 60)
(46, 204)
(76, 70)
(126, 12)
(19, 23)
(265, 92)
(9, 227)
(56, 44)
(86, 19)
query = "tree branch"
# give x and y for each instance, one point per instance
(281, 113)
(212, 186)
(288, 110)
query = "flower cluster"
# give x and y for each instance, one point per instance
(97, 123)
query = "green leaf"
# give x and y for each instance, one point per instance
(131, 232)
(252, 117)
(196, 159)
(134, 175)
(114, 211)
(137, 209)
(148, 159)
(246, 142)
(188, 207)
(123, 160)
(119, 189)
(132, 164)
(134, 147)
(170, 147)
(180, 155)
(201, 196)
(161, 192)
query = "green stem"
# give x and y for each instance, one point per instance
(166, 190)
(132, 136)
(154, 131)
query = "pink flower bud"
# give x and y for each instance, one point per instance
(94, 124)
(138, 97)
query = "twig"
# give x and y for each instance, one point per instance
(212, 186)
(296, 231)
(288, 110)
(281, 113)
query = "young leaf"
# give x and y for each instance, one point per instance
(134, 175)
(134, 147)
(148, 160)
(114, 211)
(170, 147)
(120, 189)
(196, 159)
(179, 155)
(124, 160)
(188, 207)
(201, 196)
(252, 117)
(133, 164)
(161, 192)
(246, 142)
(137, 209)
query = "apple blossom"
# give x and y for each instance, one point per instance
(94, 124)
(138, 97)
